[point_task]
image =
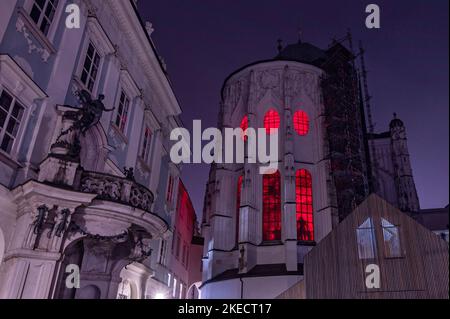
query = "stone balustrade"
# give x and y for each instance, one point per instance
(117, 189)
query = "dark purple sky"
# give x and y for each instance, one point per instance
(203, 41)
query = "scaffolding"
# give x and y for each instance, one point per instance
(345, 128)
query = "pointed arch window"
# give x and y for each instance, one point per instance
(238, 205)
(304, 205)
(271, 121)
(272, 207)
(391, 237)
(301, 123)
(244, 127)
(365, 234)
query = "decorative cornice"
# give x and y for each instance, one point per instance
(25, 25)
(135, 33)
(99, 37)
(15, 79)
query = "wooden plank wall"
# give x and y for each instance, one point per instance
(334, 270)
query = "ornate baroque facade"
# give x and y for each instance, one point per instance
(85, 177)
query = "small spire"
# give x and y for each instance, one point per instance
(395, 115)
(149, 28)
(280, 45)
(300, 35)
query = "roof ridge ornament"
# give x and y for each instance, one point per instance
(280, 45)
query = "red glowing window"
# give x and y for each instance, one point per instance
(304, 207)
(238, 204)
(301, 123)
(244, 127)
(272, 207)
(271, 120)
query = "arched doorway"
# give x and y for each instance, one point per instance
(193, 291)
(72, 255)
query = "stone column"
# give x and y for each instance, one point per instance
(250, 226)
(289, 221)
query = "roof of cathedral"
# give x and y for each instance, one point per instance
(375, 136)
(302, 52)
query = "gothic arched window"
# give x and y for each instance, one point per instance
(244, 127)
(271, 120)
(238, 204)
(301, 123)
(271, 207)
(304, 205)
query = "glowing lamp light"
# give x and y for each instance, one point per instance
(159, 295)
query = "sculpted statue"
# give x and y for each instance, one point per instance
(62, 220)
(129, 173)
(40, 219)
(91, 112)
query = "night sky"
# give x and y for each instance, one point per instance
(203, 41)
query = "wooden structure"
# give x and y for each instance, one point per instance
(413, 264)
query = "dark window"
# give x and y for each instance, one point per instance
(272, 207)
(183, 256)
(90, 67)
(238, 204)
(122, 112)
(11, 113)
(145, 151)
(173, 240)
(169, 189)
(177, 253)
(162, 252)
(43, 13)
(304, 205)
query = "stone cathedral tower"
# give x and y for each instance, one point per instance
(258, 228)
(404, 181)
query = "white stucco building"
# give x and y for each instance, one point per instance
(65, 195)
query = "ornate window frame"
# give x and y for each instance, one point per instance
(17, 83)
(28, 6)
(128, 87)
(96, 36)
(151, 123)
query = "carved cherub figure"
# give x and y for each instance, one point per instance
(40, 219)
